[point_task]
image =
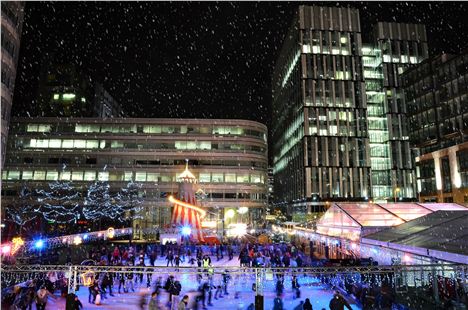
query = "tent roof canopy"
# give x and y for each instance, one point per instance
(445, 231)
(343, 218)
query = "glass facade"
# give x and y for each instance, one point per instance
(12, 24)
(320, 136)
(397, 47)
(436, 94)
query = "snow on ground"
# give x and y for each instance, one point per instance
(311, 288)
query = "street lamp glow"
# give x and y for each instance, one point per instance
(39, 244)
(230, 213)
(186, 230)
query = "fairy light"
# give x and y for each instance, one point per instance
(17, 243)
(187, 205)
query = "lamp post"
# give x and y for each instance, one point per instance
(395, 193)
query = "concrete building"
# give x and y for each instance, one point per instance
(320, 136)
(12, 23)
(64, 91)
(228, 157)
(436, 94)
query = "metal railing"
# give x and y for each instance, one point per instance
(426, 284)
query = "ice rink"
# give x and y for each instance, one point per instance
(311, 288)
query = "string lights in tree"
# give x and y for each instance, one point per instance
(23, 211)
(99, 204)
(60, 203)
(129, 198)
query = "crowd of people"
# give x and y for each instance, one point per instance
(167, 293)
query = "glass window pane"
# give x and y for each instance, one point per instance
(77, 175)
(230, 178)
(217, 177)
(140, 176)
(27, 175)
(103, 176)
(52, 176)
(152, 177)
(55, 143)
(204, 178)
(90, 175)
(65, 175)
(128, 175)
(80, 144)
(39, 175)
(13, 175)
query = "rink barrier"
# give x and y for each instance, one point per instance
(402, 276)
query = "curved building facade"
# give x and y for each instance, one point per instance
(228, 157)
(12, 23)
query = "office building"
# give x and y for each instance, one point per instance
(12, 23)
(228, 157)
(64, 91)
(395, 47)
(319, 127)
(436, 94)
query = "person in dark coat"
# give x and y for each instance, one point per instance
(307, 305)
(338, 302)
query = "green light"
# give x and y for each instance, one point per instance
(56, 96)
(69, 96)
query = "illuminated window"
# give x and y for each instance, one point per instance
(52, 176)
(255, 178)
(38, 175)
(117, 144)
(31, 128)
(89, 176)
(13, 175)
(181, 145)
(65, 175)
(56, 96)
(151, 129)
(205, 145)
(242, 178)
(83, 99)
(191, 145)
(27, 175)
(230, 178)
(55, 143)
(217, 177)
(166, 178)
(152, 177)
(77, 175)
(306, 49)
(128, 176)
(413, 60)
(92, 144)
(103, 176)
(67, 144)
(79, 144)
(343, 40)
(204, 177)
(140, 176)
(68, 96)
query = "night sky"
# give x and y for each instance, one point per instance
(190, 59)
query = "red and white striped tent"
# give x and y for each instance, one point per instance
(184, 215)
